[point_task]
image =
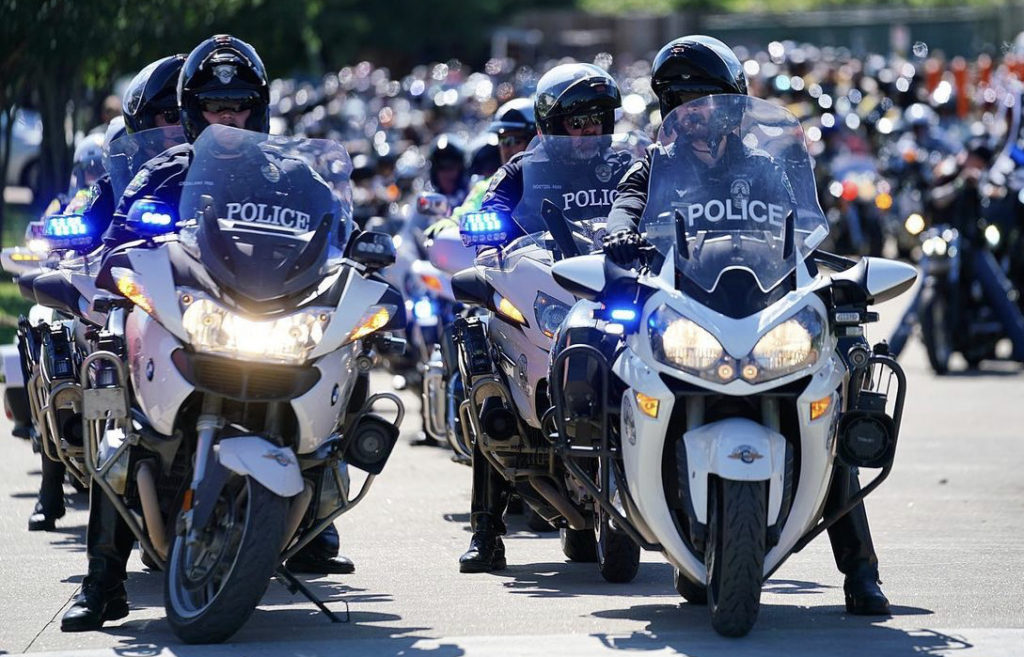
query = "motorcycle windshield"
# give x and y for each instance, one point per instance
(258, 213)
(732, 188)
(126, 155)
(569, 184)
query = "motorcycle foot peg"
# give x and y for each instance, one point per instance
(498, 422)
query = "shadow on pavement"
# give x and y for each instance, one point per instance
(569, 580)
(276, 627)
(780, 629)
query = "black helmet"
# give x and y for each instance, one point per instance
(447, 149)
(223, 68)
(693, 66)
(514, 116)
(486, 156)
(573, 90)
(153, 91)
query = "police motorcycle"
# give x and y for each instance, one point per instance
(503, 356)
(742, 374)
(62, 324)
(235, 349)
(87, 165)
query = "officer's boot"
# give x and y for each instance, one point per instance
(853, 549)
(489, 501)
(108, 544)
(50, 505)
(320, 556)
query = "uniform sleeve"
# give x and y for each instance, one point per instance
(505, 192)
(628, 206)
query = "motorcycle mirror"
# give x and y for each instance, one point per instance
(373, 250)
(887, 279)
(556, 224)
(582, 276)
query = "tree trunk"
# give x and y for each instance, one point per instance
(55, 156)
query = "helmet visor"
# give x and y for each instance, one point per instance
(228, 100)
(675, 95)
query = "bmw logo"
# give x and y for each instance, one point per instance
(150, 369)
(335, 393)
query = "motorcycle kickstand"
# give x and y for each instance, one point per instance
(294, 585)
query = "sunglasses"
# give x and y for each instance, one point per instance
(581, 121)
(509, 141)
(170, 115)
(218, 105)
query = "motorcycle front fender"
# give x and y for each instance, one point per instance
(276, 468)
(738, 449)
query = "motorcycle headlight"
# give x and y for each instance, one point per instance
(549, 312)
(682, 343)
(992, 235)
(215, 329)
(789, 347)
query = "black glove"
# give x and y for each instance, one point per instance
(622, 246)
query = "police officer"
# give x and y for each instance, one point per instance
(685, 69)
(222, 81)
(576, 101)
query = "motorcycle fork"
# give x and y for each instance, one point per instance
(202, 487)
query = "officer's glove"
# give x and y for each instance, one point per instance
(622, 246)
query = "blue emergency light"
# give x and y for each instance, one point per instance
(482, 228)
(151, 216)
(65, 225)
(624, 315)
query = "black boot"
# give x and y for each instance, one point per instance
(488, 504)
(108, 544)
(320, 556)
(864, 596)
(486, 550)
(96, 604)
(853, 549)
(50, 505)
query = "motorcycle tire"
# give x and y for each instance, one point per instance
(696, 594)
(209, 607)
(734, 557)
(936, 333)
(578, 545)
(618, 555)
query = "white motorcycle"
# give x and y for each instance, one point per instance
(742, 374)
(241, 394)
(503, 358)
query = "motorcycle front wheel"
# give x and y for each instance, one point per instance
(213, 585)
(734, 556)
(936, 331)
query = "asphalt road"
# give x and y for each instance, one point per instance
(948, 528)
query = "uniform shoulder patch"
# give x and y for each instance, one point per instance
(138, 182)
